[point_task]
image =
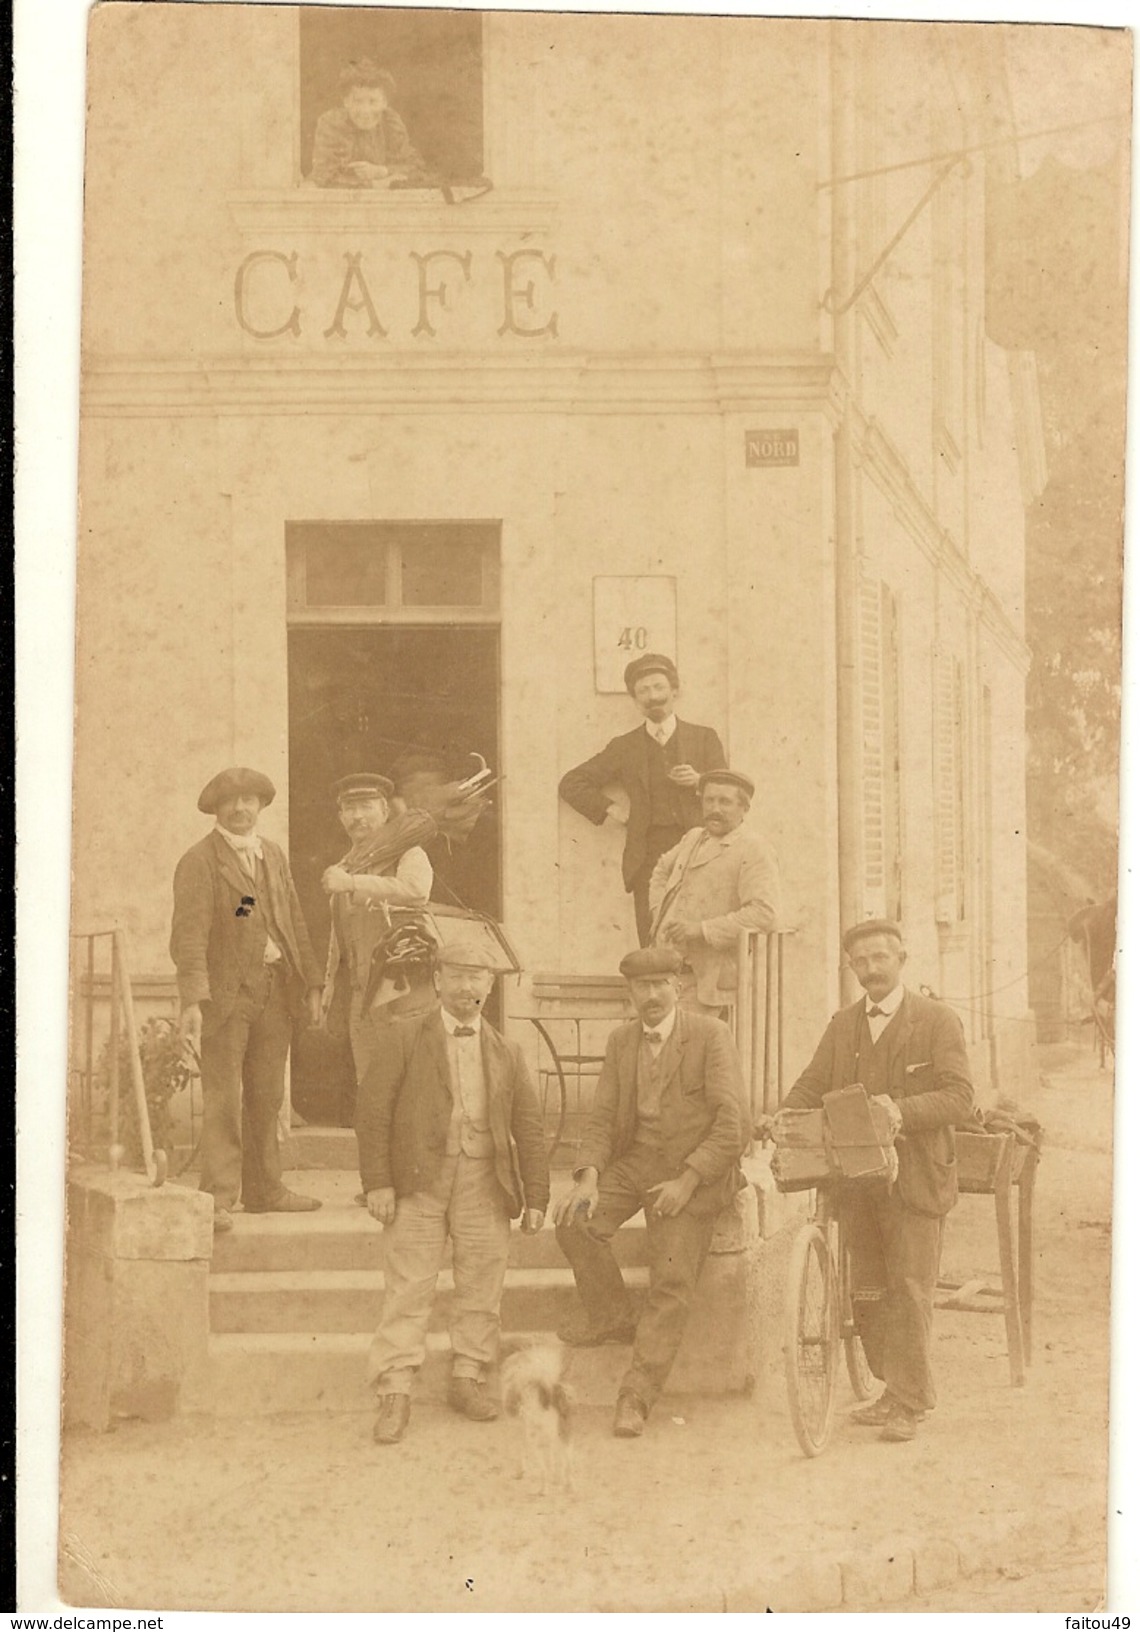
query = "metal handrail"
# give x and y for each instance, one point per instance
(758, 1016)
(122, 1013)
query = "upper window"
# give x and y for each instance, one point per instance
(390, 90)
(393, 571)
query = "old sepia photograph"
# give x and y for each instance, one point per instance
(593, 931)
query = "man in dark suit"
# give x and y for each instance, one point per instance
(909, 1052)
(245, 968)
(451, 1144)
(658, 765)
(666, 1132)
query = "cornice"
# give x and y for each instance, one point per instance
(283, 213)
(426, 381)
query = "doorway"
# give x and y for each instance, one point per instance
(359, 700)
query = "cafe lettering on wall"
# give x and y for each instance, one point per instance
(524, 284)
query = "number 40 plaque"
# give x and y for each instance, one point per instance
(631, 616)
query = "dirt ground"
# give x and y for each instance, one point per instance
(304, 1512)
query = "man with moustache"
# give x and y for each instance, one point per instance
(658, 765)
(245, 968)
(667, 1128)
(721, 878)
(451, 1145)
(909, 1053)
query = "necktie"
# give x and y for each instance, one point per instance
(652, 1036)
(874, 1012)
(464, 1031)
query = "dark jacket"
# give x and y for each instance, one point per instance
(704, 1120)
(215, 948)
(403, 1108)
(624, 762)
(929, 1078)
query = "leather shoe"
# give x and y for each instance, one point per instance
(471, 1399)
(901, 1424)
(223, 1220)
(393, 1411)
(287, 1202)
(580, 1334)
(873, 1415)
(629, 1418)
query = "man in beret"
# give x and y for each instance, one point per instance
(721, 878)
(667, 1128)
(909, 1052)
(245, 969)
(658, 766)
(451, 1145)
(359, 921)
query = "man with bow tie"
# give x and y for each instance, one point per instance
(657, 765)
(666, 1132)
(245, 968)
(451, 1145)
(908, 1052)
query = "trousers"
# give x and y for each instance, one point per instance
(658, 840)
(677, 1250)
(467, 1203)
(243, 1086)
(895, 1254)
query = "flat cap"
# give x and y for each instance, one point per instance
(231, 784)
(362, 785)
(651, 663)
(871, 926)
(464, 954)
(736, 779)
(650, 960)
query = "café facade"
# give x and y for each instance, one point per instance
(680, 346)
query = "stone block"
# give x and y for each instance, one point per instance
(813, 1584)
(935, 1564)
(881, 1574)
(120, 1214)
(136, 1299)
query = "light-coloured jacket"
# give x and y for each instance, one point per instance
(724, 884)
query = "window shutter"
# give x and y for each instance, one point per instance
(949, 810)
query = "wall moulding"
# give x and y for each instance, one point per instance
(428, 380)
(299, 212)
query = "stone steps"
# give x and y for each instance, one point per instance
(348, 1300)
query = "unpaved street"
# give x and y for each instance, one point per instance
(305, 1513)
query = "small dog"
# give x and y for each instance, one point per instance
(534, 1392)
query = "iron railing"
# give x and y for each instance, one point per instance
(82, 1065)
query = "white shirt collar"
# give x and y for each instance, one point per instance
(450, 1022)
(662, 730)
(665, 1029)
(244, 843)
(889, 1003)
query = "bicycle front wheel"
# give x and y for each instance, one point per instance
(811, 1339)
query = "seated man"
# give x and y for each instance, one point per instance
(667, 1128)
(910, 1048)
(363, 143)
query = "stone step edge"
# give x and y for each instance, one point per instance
(262, 1282)
(887, 1573)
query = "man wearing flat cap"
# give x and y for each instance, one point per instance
(385, 868)
(658, 766)
(451, 1145)
(721, 878)
(245, 969)
(908, 1052)
(667, 1128)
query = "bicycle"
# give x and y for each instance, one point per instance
(818, 1318)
